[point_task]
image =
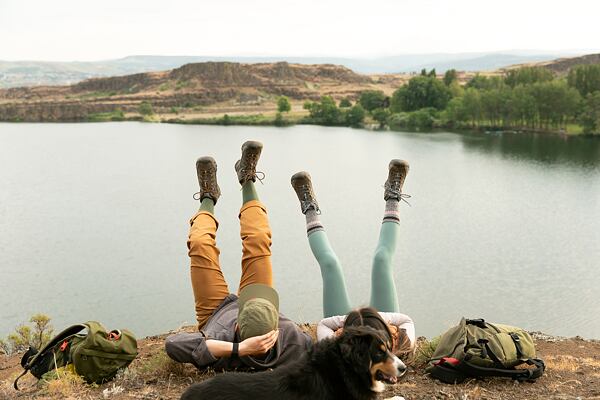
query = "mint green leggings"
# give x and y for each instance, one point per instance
(383, 289)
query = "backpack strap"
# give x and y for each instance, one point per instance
(445, 370)
(28, 363)
(527, 374)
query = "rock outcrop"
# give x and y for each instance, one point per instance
(197, 84)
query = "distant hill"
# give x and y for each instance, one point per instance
(190, 87)
(562, 66)
(36, 73)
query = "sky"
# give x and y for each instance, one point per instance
(68, 30)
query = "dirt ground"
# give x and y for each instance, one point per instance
(572, 372)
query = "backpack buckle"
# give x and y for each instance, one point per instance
(64, 345)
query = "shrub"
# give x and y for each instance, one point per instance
(145, 108)
(381, 115)
(26, 336)
(279, 121)
(423, 119)
(372, 99)
(345, 103)
(283, 104)
(355, 116)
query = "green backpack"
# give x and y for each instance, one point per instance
(475, 349)
(96, 355)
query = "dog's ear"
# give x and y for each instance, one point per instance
(355, 345)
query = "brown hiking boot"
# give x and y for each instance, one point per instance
(246, 165)
(398, 169)
(303, 187)
(206, 168)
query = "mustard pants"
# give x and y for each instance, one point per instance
(208, 282)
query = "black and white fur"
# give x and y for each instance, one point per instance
(350, 367)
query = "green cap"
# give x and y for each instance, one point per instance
(258, 310)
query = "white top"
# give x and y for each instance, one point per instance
(327, 326)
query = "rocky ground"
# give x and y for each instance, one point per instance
(573, 372)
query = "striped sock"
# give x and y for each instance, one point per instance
(391, 213)
(313, 224)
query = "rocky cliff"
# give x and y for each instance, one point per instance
(192, 85)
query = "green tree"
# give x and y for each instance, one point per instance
(585, 78)
(325, 111)
(355, 115)
(421, 92)
(527, 76)
(450, 77)
(556, 102)
(145, 108)
(283, 104)
(381, 115)
(456, 113)
(372, 99)
(484, 82)
(345, 103)
(423, 119)
(590, 117)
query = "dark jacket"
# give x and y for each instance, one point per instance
(191, 347)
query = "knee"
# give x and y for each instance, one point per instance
(200, 244)
(170, 348)
(382, 258)
(329, 261)
(260, 238)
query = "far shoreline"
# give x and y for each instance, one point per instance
(264, 120)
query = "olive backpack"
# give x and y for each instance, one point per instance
(96, 354)
(475, 349)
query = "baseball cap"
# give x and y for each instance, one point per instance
(258, 310)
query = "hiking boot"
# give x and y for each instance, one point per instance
(396, 176)
(303, 187)
(206, 168)
(246, 165)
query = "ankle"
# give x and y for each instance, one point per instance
(207, 205)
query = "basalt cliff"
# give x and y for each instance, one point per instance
(194, 85)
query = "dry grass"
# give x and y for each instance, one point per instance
(570, 363)
(64, 383)
(424, 351)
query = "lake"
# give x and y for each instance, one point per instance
(94, 220)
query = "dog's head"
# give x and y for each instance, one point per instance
(369, 352)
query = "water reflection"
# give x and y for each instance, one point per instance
(543, 148)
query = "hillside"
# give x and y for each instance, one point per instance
(192, 87)
(41, 73)
(562, 66)
(207, 90)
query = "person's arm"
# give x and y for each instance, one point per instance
(401, 321)
(328, 326)
(254, 346)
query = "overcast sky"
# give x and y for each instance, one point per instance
(95, 30)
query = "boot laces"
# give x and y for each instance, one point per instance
(308, 200)
(206, 184)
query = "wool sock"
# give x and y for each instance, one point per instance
(391, 213)
(249, 192)
(313, 224)
(207, 204)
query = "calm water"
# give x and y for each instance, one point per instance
(94, 219)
